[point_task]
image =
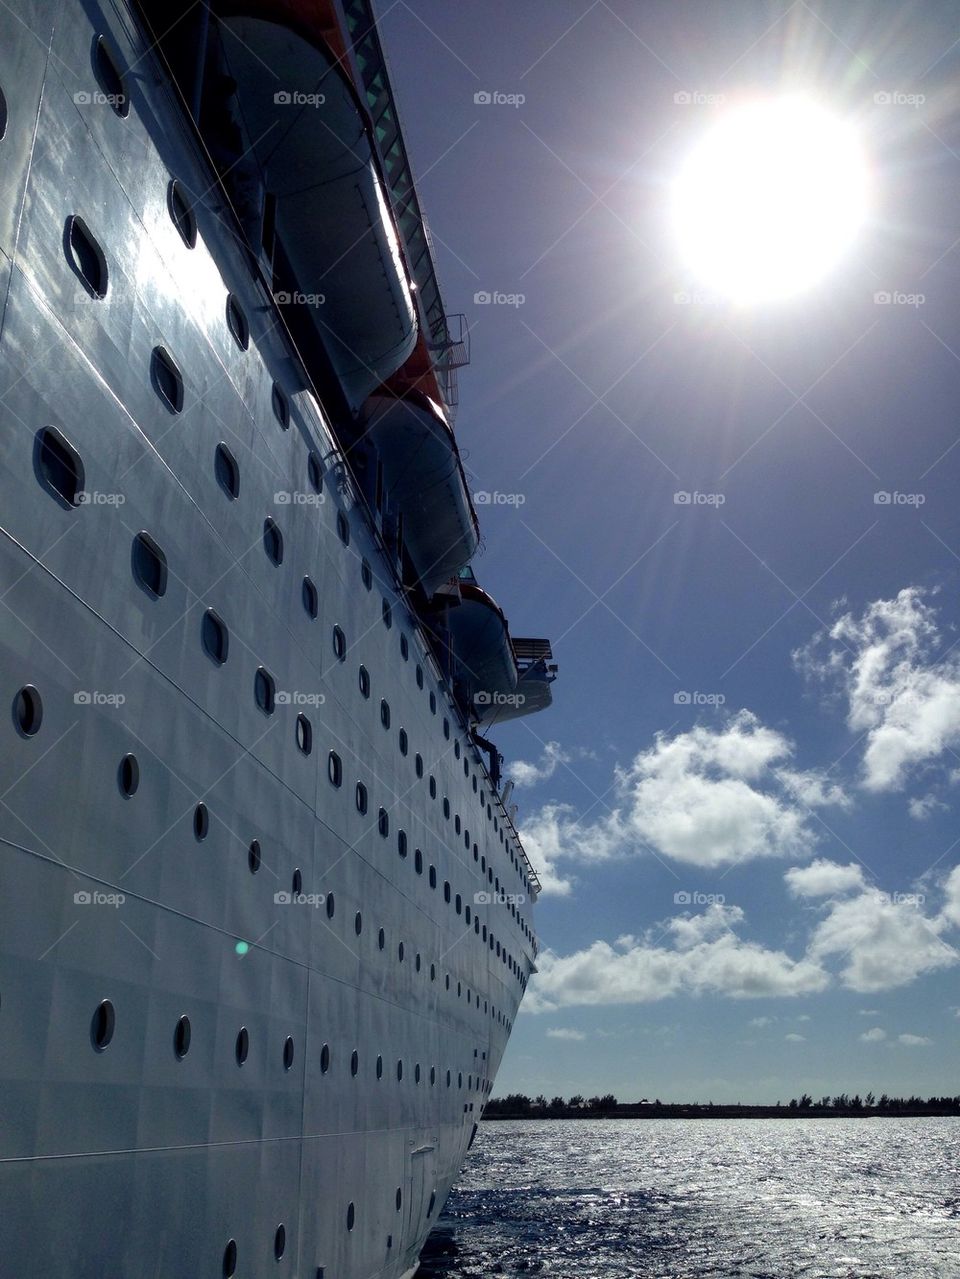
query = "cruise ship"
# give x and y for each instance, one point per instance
(265, 919)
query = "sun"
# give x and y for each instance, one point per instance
(770, 200)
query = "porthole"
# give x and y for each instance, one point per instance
(403, 741)
(419, 674)
(214, 637)
(433, 977)
(296, 882)
(446, 729)
(417, 962)
(432, 877)
(343, 528)
(288, 1053)
(167, 379)
(315, 472)
(58, 467)
(103, 1025)
(108, 74)
(237, 322)
(334, 769)
(149, 565)
(265, 690)
(331, 905)
(227, 471)
(433, 786)
(398, 1199)
(3, 116)
(418, 765)
(383, 822)
(351, 1216)
(254, 856)
(433, 1200)
(339, 644)
(281, 405)
(230, 1259)
(456, 823)
(399, 1069)
(201, 823)
(400, 952)
(404, 648)
(363, 679)
(433, 703)
(456, 751)
(324, 1059)
(458, 905)
(358, 923)
(384, 713)
(366, 575)
(181, 1037)
(381, 939)
(272, 541)
(433, 1074)
(184, 218)
(304, 735)
(448, 1072)
(386, 613)
(446, 808)
(280, 1242)
(86, 257)
(402, 843)
(418, 861)
(379, 1067)
(354, 1062)
(128, 775)
(416, 1073)
(28, 711)
(361, 797)
(311, 598)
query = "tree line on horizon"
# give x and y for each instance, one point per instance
(514, 1104)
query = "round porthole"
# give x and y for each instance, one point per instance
(103, 1025)
(230, 1259)
(201, 822)
(28, 711)
(324, 1059)
(288, 1053)
(129, 775)
(181, 1037)
(253, 856)
(242, 1045)
(351, 1216)
(280, 1242)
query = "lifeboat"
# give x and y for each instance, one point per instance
(422, 481)
(310, 142)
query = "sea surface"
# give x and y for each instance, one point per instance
(724, 1198)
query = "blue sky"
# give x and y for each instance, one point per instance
(804, 796)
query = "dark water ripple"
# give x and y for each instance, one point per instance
(705, 1199)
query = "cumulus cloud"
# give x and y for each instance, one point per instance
(761, 1021)
(823, 878)
(904, 698)
(950, 915)
(703, 955)
(875, 1035)
(794, 1038)
(561, 1032)
(709, 797)
(914, 1041)
(925, 806)
(527, 774)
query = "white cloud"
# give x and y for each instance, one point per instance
(546, 836)
(869, 1012)
(898, 693)
(761, 1021)
(914, 1041)
(924, 807)
(794, 1038)
(707, 797)
(561, 1032)
(875, 1035)
(705, 957)
(526, 774)
(803, 1017)
(951, 908)
(823, 878)
(882, 942)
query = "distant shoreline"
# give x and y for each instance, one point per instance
(727, 1112)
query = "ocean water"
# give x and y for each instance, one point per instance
(684, 1199)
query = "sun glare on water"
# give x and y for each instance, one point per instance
(769, 200)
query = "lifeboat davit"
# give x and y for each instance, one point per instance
(311, 143)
